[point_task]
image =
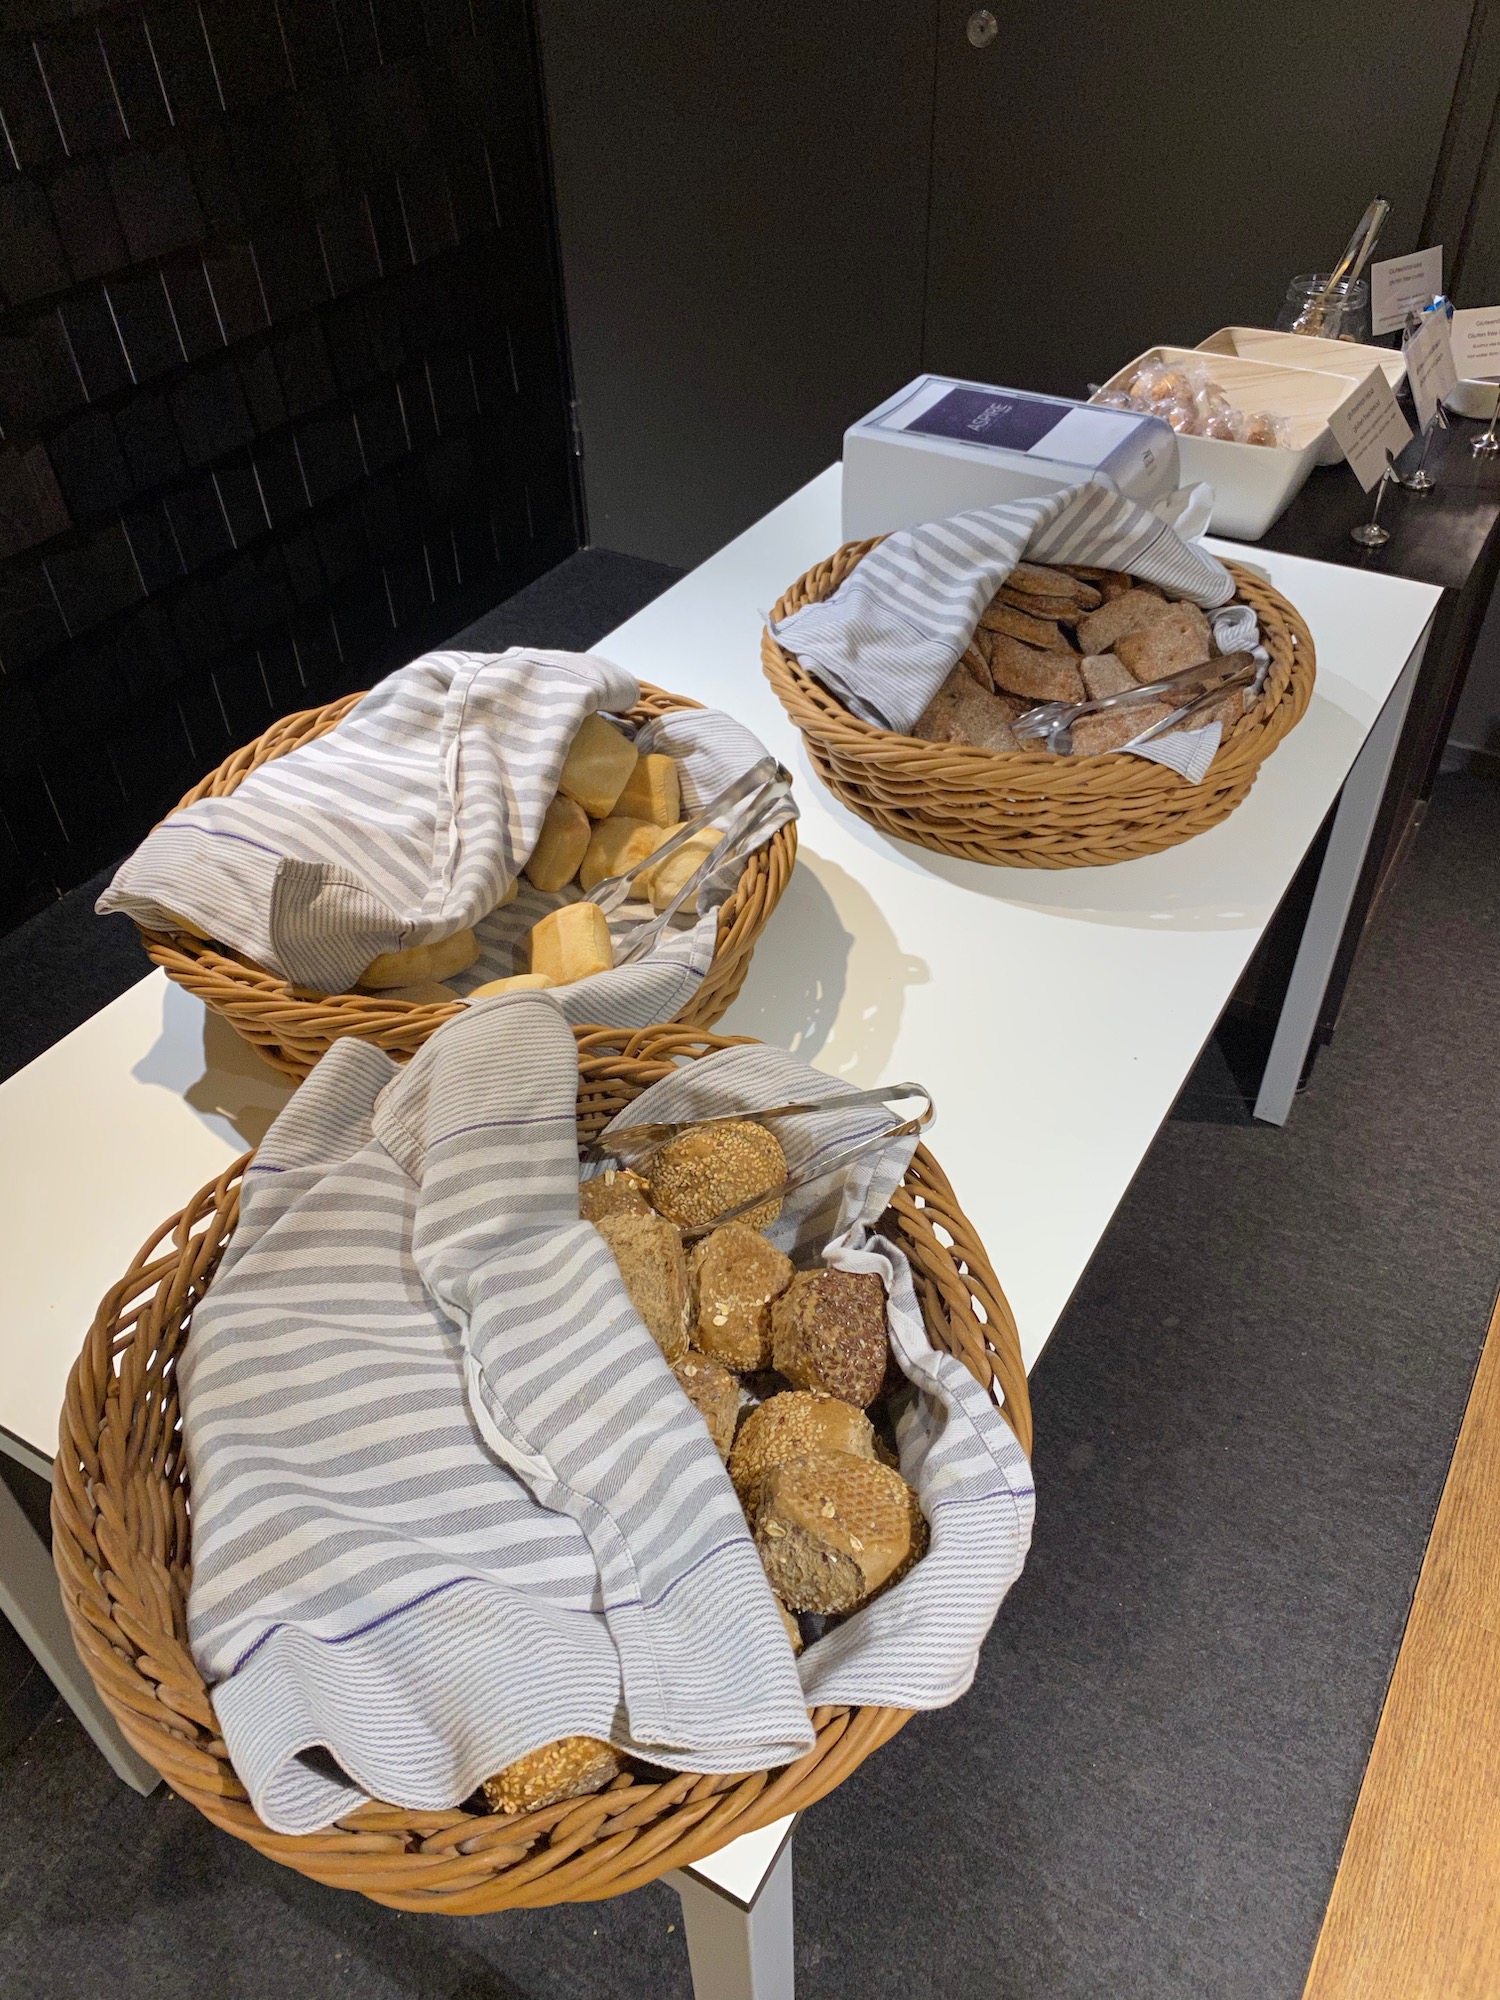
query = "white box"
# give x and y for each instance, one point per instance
(1350, 358)
(941, 445)
(1253, 483)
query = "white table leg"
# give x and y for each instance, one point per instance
(31, 1600)
(740, 1953)
(1348, 843)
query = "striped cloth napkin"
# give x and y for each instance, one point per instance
(894, 630)
(449, 1503)
(413, 818)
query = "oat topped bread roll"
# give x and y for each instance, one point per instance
(828, 1331)
(648, 1250)
(832, 1528)
(701, 1173)
(560, 846)
(652, 792)
(442, 959)
(597, 767)
(714, 1394)
(792, 1425)
(616, 1191)
(735, 1275)
(793, 1629)
(566, 1769)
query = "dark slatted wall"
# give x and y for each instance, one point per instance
(281, 380)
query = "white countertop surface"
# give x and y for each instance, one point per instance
(1053, 1015)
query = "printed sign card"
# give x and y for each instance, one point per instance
(1401, 285)
(1368, 424)
(1429, 366)
(1476, 343)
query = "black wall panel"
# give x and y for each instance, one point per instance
(282, 387)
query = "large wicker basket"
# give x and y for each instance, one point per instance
(292, 1030)
(1030, 809)
(121, 1514)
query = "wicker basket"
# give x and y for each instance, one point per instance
(1028, 808)
(121, 1522)
(292, 1030)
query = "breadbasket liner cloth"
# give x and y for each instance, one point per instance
(895, 628)
(449, 1503)
(413, 818)
(917, 1645)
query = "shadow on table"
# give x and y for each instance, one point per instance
(829, 978)
(200, 1057)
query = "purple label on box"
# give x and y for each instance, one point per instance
(979, 416)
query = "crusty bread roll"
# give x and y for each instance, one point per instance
(442, 959)
(560, 846)
(701, 1173)
(616, 844)
(599, 761)
(713, 1393)
(648, 1250)
(652, 792)
(828, 1331)
(832, 1528)
(662, 882)
(571, 943)
(792, 1425)
(735, 1274)
(518, 982)
(616, 1191)
(567, 1769)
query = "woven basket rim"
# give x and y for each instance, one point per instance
(120, 1531)
(291, 1029)
(1029, 807)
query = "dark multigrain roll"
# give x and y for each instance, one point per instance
(828, 1331)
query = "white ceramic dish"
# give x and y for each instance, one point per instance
(1472, 398)
(1254, 483)
(1298, 350)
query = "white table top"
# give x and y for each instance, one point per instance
(1054, 1015)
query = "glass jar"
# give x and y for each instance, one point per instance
(1348, 314)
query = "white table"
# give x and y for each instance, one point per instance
(1054, 1016)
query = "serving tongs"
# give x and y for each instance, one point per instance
(636, 1143)
(615, 889)
(1213, 677)
(1314, 315)
(733, 845)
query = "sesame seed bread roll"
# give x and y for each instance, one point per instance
(832, 1528)
(735, 1275)
(615, 845)
(793, 1425)
(652, 792)
(701, 1173)
(567, 1769)
(560, 846)
(441, 959)
(714, 1394)
(571, 943)
(648, 1250)
(616, 1191)
(828, 1331)
(597, 766)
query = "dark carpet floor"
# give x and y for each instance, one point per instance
(1243, 1424)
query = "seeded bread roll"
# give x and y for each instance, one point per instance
(652, 792)
(714, 1394)
(567, 1769)
(617, 844)
(560, 846)
(1132, 611)
(441, 959)
(1178, 639)
(793, 1629)
(828, 1331)
(701, 1173)
(597, 767)
(735, 1274)
(616, 1191)
(1030, 671)
(648, 1250)
(570, 943)
(832, 1528)
(792, 1425)
(1103, 674)
(518, 982)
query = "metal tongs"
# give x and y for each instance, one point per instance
(1213, 677)
(1314, 315)
(639, 1142)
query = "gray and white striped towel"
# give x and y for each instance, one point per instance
(412, 819)
(449, 1503)
(894, 630)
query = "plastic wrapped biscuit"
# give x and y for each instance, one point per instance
(652, 792)
(571, 943)
(615, 845)
(442, 959)
(597, 766)
(560, 846)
